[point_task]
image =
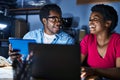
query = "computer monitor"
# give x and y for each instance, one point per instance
(55, 61)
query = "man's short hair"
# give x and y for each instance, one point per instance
(45, 10)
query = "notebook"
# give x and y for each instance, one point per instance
(21, 45)
(55, 61)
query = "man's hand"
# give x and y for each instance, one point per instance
(14, 54)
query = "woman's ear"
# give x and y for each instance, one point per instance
(108, 23)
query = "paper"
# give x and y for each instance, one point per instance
(6, 73)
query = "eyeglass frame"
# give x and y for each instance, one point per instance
(55, 19)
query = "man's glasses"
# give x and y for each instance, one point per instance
(55, 19)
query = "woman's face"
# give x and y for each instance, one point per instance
(97, 24)
(53, 23)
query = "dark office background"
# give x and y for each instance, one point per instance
(70, 8)
(78, 12)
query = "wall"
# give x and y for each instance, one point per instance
(80, 13)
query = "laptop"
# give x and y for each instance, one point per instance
(55, 61)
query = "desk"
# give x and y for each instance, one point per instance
(6, 73)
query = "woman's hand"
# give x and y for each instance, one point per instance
(86, 71)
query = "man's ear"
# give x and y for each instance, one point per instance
(108, 23)
(44, 20)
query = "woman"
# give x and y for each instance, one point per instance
(101, 47)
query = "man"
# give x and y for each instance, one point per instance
(50, 33)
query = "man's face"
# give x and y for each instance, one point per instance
(52, 24)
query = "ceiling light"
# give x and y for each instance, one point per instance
(3, 26)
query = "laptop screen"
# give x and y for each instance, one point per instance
(55, 61)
